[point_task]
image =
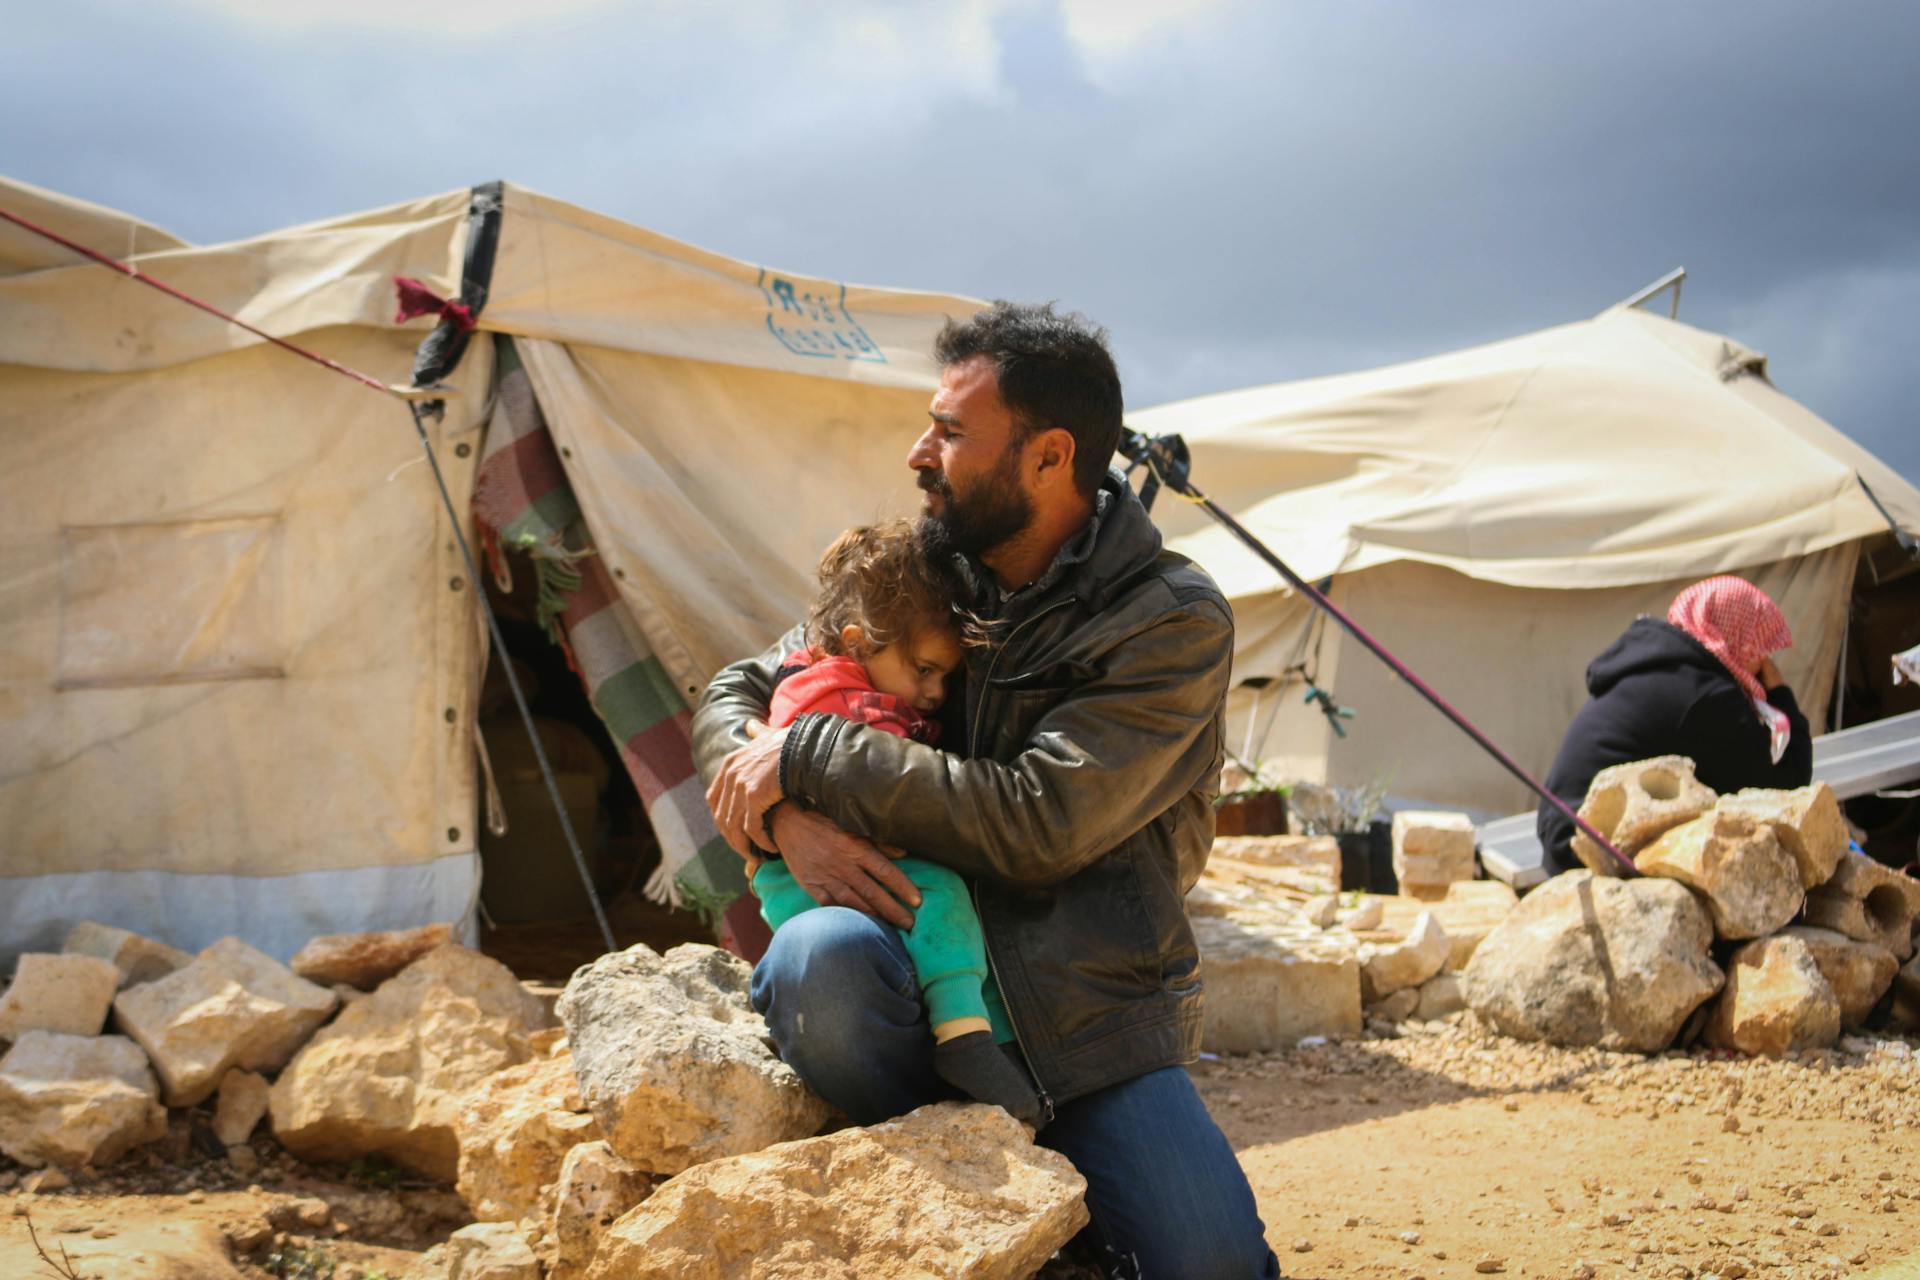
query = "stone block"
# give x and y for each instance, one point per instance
(232, 1007)
(365, 960)
(1441, 996)
(1387, 967)
(138, 959)
(949, 1191)
(1470, 911)
(1592, 961)
(67, 994)
(1776, 1001)
(1807, 822)
(1317, 857)
(1750, 882)
(1868, 902)
(674, 1062)
(1397, 1007)
(1634, 804)
(388, 1075)
(490, 1251)
(515, 1129)
(1858, 972)
(239, 1106)
(1271, 982)
(76, 1100)
(1432, 848)
(595, 1189)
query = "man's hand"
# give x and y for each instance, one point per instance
(747, 785)
(839, 869)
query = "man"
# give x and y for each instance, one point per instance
(1077, 797)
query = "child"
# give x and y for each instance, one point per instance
(881, 641)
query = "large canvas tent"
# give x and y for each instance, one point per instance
(239, 657)
(1497, 516)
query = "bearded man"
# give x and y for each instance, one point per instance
(1078, 801)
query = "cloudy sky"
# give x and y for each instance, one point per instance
(1243, 193)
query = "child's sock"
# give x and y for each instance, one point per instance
(979, 1068)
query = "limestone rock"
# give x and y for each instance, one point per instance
(1369, 915)
(596, 1187)
(1807, 821)
(1868, 902)
(365, 960)
(232, 1007)
(1397, 1007)
(1316, 857)
(490, 1251)
(1431, 848)
(1389, 967)
(1322, 912)
(949, 1191)
(1270, 982)
(1776, 1001)
(62, 993)
(515, 1128)
(675, 1064)
(1906, 996)
(1441, 996)
(1751, 883)
(388, 1075)
(138, 959)
(1858, 972)
(1470, 911)
(1634, 804)
(239, 1106)
(1592, 961)
(74, 1100)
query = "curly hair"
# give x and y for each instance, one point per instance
(1054, 370)
(877, 578)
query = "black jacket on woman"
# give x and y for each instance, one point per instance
(1658, 692)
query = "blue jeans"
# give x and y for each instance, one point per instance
(1166, 1194)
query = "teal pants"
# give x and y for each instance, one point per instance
(949, 952)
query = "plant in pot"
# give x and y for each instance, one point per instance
(1351, 816)
(1255, 807)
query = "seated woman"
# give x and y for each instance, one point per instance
(1700, 684)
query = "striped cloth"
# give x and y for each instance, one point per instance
(523, 501)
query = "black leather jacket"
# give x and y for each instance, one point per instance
(1076, 794)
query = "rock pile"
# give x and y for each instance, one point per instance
(1591, 961)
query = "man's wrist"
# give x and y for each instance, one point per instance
(770, 850)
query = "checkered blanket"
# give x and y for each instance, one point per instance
(522, 500)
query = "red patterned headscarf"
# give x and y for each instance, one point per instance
(1739, 624)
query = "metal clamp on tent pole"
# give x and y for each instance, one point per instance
(1168, 462)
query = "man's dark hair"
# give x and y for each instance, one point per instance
(1054, 371)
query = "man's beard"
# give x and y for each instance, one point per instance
(995, 509)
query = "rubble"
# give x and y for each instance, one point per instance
(1470, 911)
(365, 960)
(515, 1129)
(1868, 902)
(951, 1190)
(1750, 882)
(1431, 850)
(490, 1251)
(239, 1106)
(1271, 981)
(1371, 913)
(1775, 1002)
(1389, 967)
(138, 959)
(595, 1188)
(1634, 804)
(1589, 960)
(675, 1063)
(1858, 972)
(231, 1007)
(63, 993)
(387, 1076)
(71, 1100)
(1807, 822)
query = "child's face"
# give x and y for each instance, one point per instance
(915, 669)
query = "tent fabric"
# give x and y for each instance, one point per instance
(238, 655)
(522, 500)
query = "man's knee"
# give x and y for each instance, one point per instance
(828, 971)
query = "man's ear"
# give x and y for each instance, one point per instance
(1051, 456)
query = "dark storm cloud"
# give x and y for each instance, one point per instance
(1268, 193)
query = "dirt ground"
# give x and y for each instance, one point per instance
(1439, 1153)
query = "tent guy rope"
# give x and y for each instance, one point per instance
(417, 398)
